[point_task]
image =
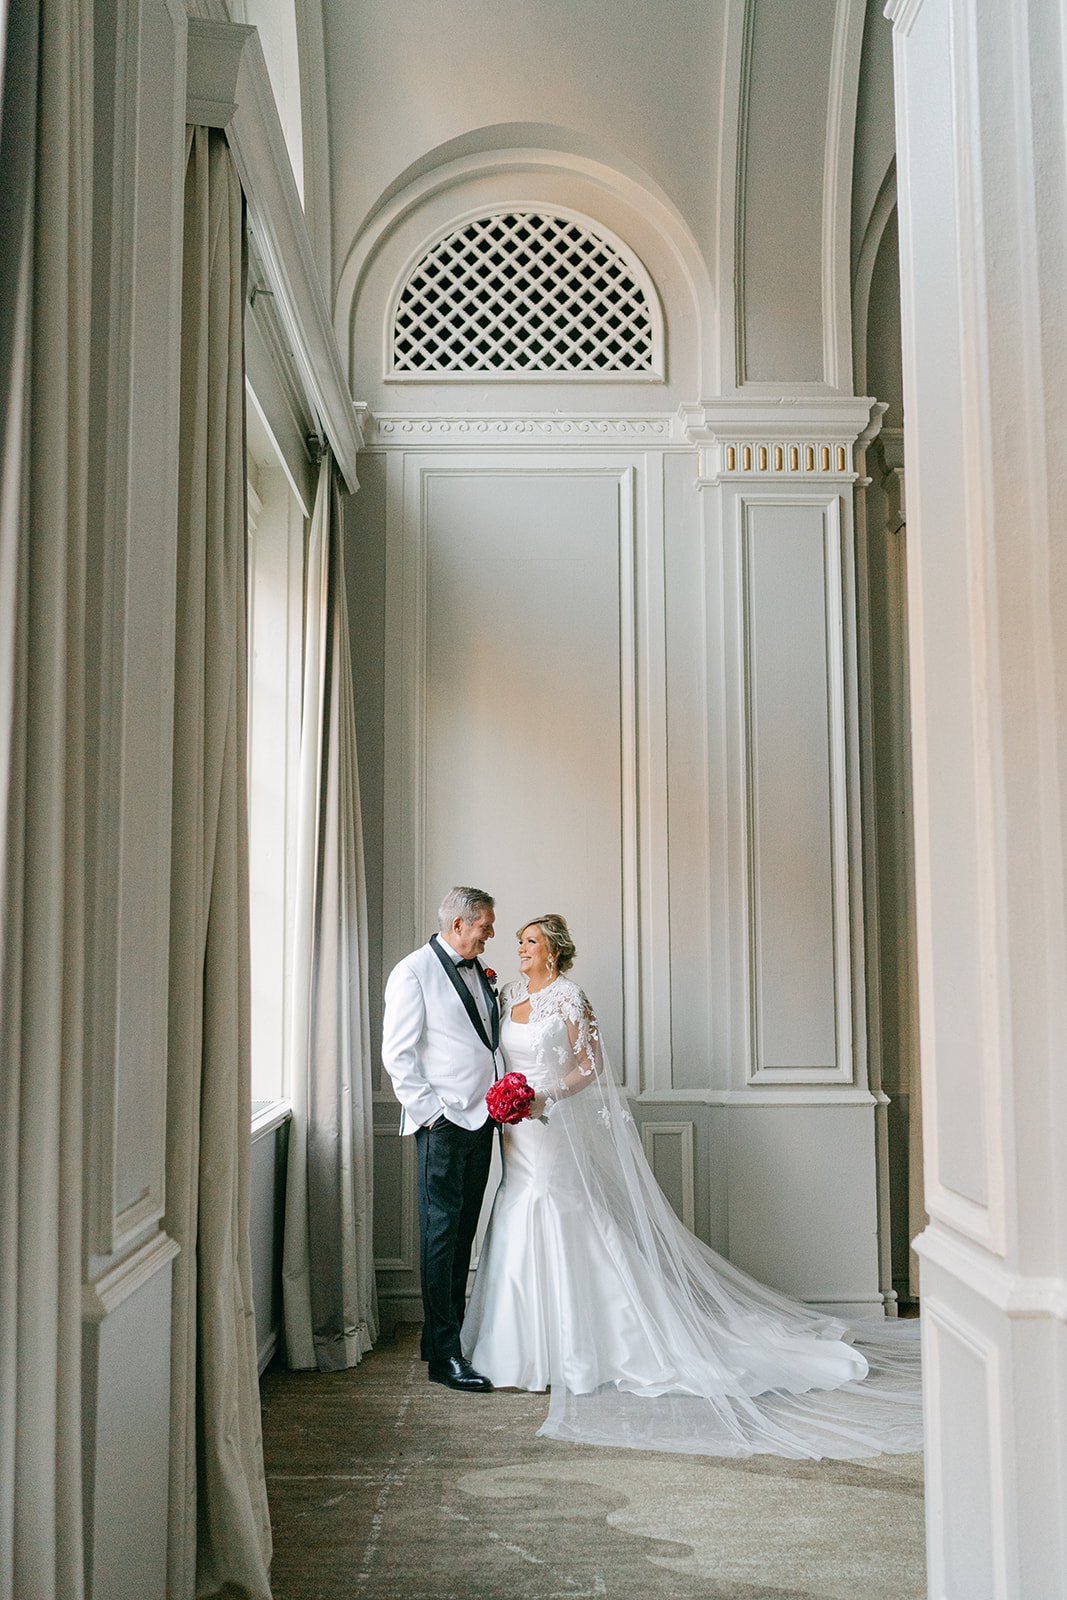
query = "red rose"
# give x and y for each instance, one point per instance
(509, 1098)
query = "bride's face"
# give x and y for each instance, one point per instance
(534, 956)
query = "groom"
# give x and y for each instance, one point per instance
(439, 1043)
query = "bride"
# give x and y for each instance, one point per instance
(590, 1287)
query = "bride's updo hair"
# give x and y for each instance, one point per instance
(557, 937)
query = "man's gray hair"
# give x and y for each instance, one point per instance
(465, 903)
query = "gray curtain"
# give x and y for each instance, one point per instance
(331, 1315)
(219, 1535)
(45, 220)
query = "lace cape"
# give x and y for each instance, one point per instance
(563, 1027)
(743, 1361)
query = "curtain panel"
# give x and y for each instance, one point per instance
(331, 1316)
(45, 288)
(219, 1534)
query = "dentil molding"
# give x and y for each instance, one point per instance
(787, 440)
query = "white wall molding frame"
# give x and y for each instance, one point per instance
(964, 1369)
(401, 1152)
(228, 87)
(817, 521)
(133, 509)
(641, 975)
(644, 196)
(679, 1184)
(807, 188)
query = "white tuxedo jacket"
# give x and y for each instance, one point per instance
(430, 1048)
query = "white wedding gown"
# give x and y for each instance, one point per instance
(590, 1287)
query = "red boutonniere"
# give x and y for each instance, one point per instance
(491, 976)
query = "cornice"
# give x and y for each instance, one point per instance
(403, 429)
(786, 440)
(228, 87)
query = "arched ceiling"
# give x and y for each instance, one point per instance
(405, 77)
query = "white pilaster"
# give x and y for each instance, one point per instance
(778, 477)
(981, 167)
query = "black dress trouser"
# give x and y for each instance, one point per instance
(453, 1166)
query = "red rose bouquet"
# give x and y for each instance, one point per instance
(509, 1098)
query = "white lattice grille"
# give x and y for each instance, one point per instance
(523, 293)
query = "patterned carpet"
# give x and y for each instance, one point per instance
(386, 1487)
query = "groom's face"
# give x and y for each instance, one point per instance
(468, 938)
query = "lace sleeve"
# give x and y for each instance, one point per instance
(586, 1052)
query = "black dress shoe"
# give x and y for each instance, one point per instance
(457, 1373)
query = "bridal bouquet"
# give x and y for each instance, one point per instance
(509, 1098)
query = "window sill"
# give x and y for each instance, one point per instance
(268, 1115)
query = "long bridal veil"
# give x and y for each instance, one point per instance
(729, 1366)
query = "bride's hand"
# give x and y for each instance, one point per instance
(537, 1106)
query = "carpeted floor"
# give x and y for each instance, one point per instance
(386, 1487)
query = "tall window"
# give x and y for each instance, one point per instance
(276, 530)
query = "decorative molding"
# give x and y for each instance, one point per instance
(228, 87)
(833, 685)
(757, 1095)
(106, 1293)
(633, 187)
(651, 1132)
(133, 499)
(837, 192)
(1018, 1295)
(875, 1301)
(641, 709)
(902, 14)
(407, 429)
(793, 440)
(943, 1323)
(884, 207)
(408, 1261)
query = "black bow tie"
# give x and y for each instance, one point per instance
(467, 962)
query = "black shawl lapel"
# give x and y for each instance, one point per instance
(468, 999)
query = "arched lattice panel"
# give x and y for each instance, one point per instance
(531, 294)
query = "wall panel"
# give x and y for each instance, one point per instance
(513, 690)
(790, 704)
